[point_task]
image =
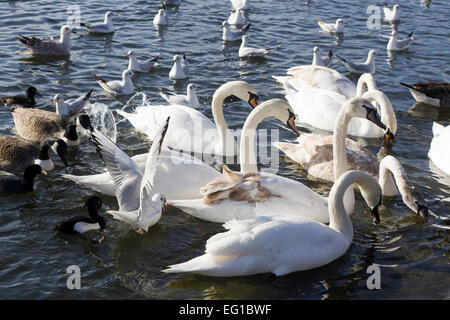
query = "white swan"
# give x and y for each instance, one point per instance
(139, 206)
(174, 166)
(315, 154)
(171, 167)
(439, 148)
(191, 131)
(284, 244)
(414, 200)
(316, 95)
(244, 194)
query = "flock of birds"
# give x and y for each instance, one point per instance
(275, 224)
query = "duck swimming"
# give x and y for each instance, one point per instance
(82, 224)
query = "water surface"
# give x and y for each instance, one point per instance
(413, 255)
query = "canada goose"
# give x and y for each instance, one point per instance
(38, 125)
(16, 154)
(433, 93)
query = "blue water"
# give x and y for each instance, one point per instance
(413, 254)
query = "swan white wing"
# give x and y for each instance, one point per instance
(266, 246)
(321, 78)
(190, 130)
(125, 173)
(172, 166)
(316, 107)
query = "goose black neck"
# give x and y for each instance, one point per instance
(71, 133)
(43, 153)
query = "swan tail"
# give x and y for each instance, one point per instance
(197, 265)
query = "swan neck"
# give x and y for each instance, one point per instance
(247, 152)
(365, 83)
(339, 147)
(386, 110)
(219, 118)
(386, 181)
(339, 219)
(315, 59)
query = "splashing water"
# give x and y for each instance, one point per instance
(102, 119)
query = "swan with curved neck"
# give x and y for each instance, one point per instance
(248, 193)
(243, 91)
(247, 154)
(317, 93)
(296, 243)
(191, 173)
(389, 167)
(389, 171)
(192, 131)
